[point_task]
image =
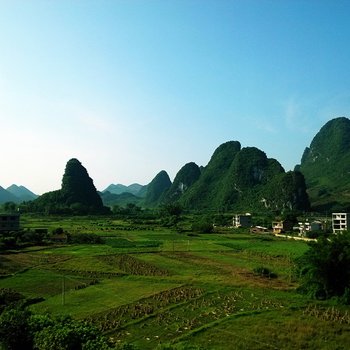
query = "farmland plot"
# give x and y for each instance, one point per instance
(154, 287)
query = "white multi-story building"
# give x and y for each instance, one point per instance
(340, 222)
(242, 220)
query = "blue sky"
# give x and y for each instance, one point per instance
(132, 87)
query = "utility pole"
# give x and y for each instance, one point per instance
(63, 290)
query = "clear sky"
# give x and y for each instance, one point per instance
(132, 87)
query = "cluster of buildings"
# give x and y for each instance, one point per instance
(340, 223)
(9, 222)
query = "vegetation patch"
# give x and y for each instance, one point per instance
(264, 272)
(126, 243)
(133, 266)
(120, 316)
(181, 320)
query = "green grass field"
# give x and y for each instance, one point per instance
(151, 287)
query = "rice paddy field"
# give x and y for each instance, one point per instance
(154, 288)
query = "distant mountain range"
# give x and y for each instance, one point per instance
(119, 189)
(245, 179)
(16, 194)
(235, 178)
(122, 195)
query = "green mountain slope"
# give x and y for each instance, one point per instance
(248, 173)
(22, 193)
(204, 192)
(245, 179)
(326, 166)
(184, 179)
(78, 187)
(156, 189)
(77, 194)
(6, 196)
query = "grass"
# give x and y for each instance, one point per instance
(107, 294)
(35, 283)
(151, 287)
(272, 330)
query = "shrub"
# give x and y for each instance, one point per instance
(20, 329)
(14, 329)
(85, 238)
(57, 231)
(9, 296)
(203, 225)
(264, 272)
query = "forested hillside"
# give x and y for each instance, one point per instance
(326, 166)
(245, 179)
(77, 195)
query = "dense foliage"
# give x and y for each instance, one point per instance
(20, 329)
(203, 225)
(325, 268)
(287, 191)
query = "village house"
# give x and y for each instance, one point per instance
(259, 229)
(9, 222)
(282, 226)
(242, 220)
(305, 227)
(340, 222)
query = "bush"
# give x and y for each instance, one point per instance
(203, 225)
(20, 329)
(34, 237)
(9, 242)
(264, 272)
(85, 238)
(57, 231)
(324, 269)
(9, 296)
(14, 329)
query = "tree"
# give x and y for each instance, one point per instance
(14, 329)
(20, 329)
(67, 334)
(9, 296)
(203, 225)
(170, 214)
(325, 268)
(9, 207)
(171, 209)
